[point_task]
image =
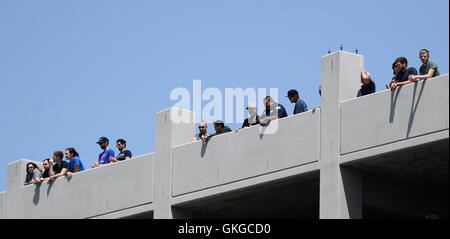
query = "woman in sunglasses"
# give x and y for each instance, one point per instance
(33, 173)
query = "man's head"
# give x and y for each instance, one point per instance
(251, 108)
(219, 126)
(57, 156)
(103, 142)
(121, 144)
(46, 164)
(202, 127)
(365, 77)
(268, 102)
(401, 63)
(292, 95)
(424, 55)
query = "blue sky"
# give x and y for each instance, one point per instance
(72, 71)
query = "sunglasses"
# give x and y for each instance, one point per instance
(201, 127)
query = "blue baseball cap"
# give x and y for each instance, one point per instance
(102, 140)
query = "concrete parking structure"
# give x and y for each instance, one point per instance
(383, 155)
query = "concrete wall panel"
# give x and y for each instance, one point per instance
(385, 117)
(92, 192)
(237, 156)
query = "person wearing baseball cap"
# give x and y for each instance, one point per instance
(253, 118)
(103, 157)
(220, 128)
(300, 105)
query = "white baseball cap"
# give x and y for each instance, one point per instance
(251, 105)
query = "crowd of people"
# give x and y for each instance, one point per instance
(273, 110)
(403, 75)
(57, 167)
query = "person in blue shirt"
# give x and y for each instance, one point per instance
(75, 164)
(103, 157)
(300, 105)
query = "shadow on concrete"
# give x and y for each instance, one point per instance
(394, 97)
(50, 185)
(414, 107)
(203, 151)
(37, 194)
(262, 130)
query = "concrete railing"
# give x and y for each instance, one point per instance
(386, 117)
(248, 153)
(92, 192)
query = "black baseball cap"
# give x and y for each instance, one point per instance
(219, 122)
(102, 140)
(291, 93)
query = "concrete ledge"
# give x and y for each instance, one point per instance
(386, 117)
(402, 144)
(236, 156)
(92, 192)
(128, 212)
(279, 175)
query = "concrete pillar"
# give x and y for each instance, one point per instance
(173, 127)
(2, 204)
(340, 81)
(14, 183)
(350, 193)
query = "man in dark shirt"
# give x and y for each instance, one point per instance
(202, 134)
(253, 118)
(403, 73)
(273, 111)
(300, 105)
(368, 86)
(124, 154)
(220, 128)
(60, 168)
